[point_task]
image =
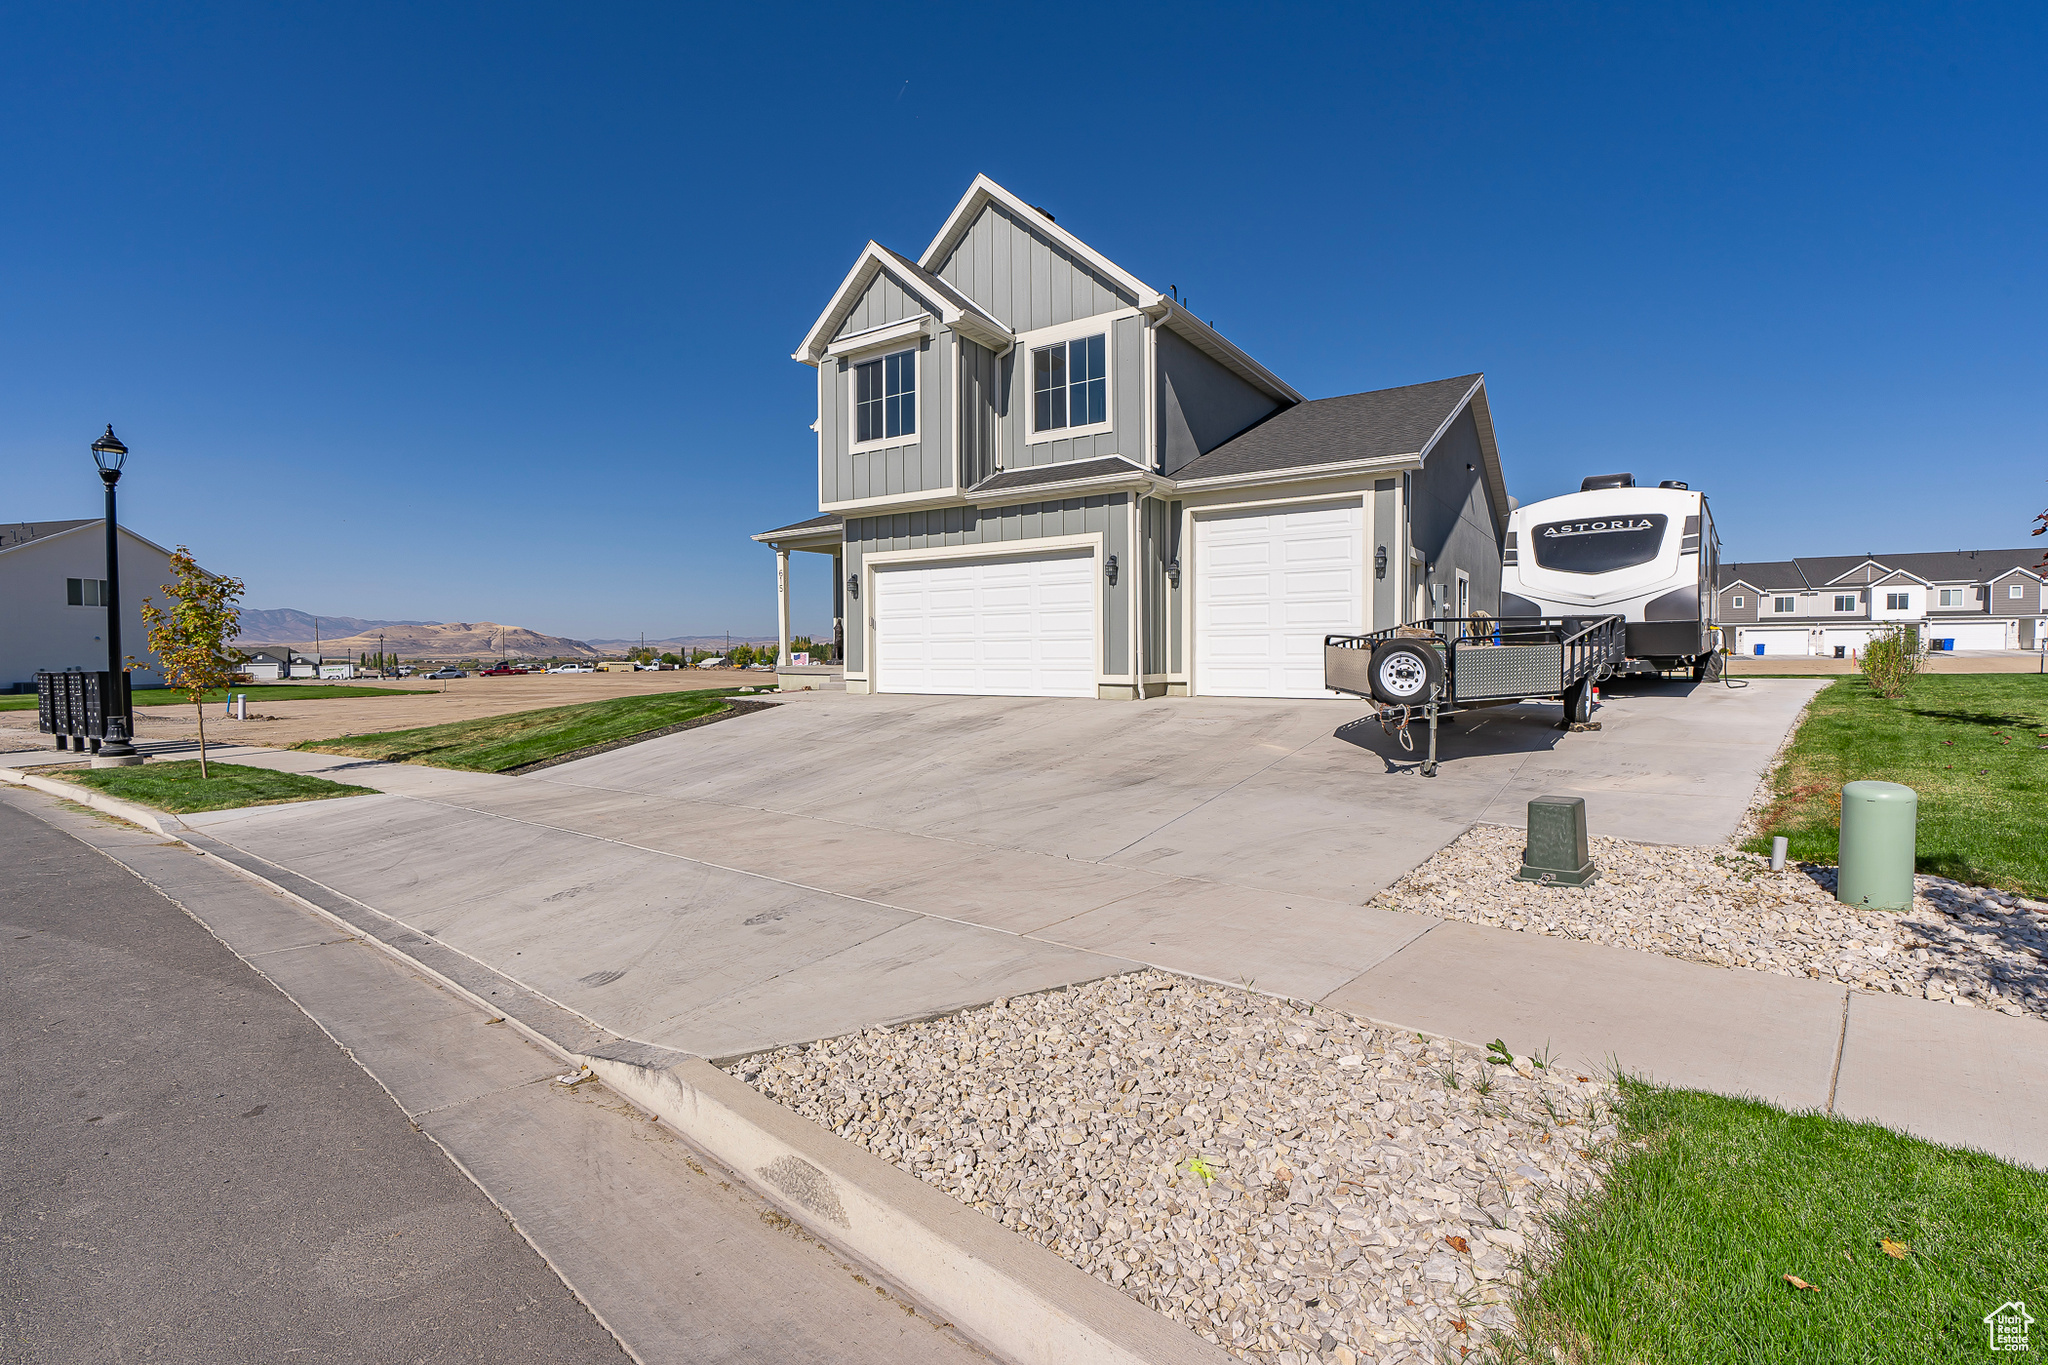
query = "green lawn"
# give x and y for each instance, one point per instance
(1970, 743)
(178, 787)
(496, 743)
(258, 692)
(1680, 1258)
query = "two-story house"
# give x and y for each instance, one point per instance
(1833, 605)
(1039, 476)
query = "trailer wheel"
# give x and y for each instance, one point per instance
(1404, 672)
(1578, 702)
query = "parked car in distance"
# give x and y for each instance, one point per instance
(405, 670)
(501, 671)
(447, 673)
(572, 668)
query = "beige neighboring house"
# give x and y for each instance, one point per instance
(51, 616)
(1833, 606)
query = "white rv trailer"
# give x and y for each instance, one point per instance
(1647, 555)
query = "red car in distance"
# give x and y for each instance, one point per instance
(502, 670)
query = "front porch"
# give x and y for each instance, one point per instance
(820, 535)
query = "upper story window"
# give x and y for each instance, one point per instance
(1736, 601)
(885, 397)
(2014, 591)
(1782, 604)
(1898, 601)
(85, 592)
(1952, 597)
(1846, 602)
(1070, 384)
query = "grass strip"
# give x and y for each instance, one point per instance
(177, 787)
(164, 696)
(1681, 1257)
(1972, 745)
(494, 744)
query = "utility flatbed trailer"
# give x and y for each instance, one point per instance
(1438, 668)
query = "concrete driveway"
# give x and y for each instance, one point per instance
(842, 861)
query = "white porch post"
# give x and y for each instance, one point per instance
(782, 604)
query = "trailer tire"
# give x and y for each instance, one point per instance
(1578, 702)
(1405, 672)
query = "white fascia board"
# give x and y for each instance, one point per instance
(1489, 449)
(888, 332)
(819, 533)
(1744, 583)
(1859, 568)
(1893, 576)
(872, 261)
(1219, 348)
(1047, 492)
(1379, 464)
(984, 189)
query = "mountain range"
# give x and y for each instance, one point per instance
(349, 636)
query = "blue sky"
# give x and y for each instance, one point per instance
(484, 311)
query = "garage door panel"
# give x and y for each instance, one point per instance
(1012, 625)
(1268, 587)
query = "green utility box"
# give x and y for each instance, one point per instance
(1879, 820)
(1558, 853)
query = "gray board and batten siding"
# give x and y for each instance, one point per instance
(1020, 277)
(1201, 404)
(1159, 529)
(1107, 514)
(884, 301)
(913, 466)
(1452, 521)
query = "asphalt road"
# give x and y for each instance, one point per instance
(194, 1171)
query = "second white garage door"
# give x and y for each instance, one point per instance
(1011, 626)
(1268, 587)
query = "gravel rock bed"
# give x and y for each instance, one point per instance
(1963, 944)
(1290, 1183)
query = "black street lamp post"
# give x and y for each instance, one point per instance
(109, 454)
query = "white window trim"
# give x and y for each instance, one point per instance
(1735, 602)
(1850, 597)
(875, 338)
(1028, 342)
(880, 354)
(1463, 587)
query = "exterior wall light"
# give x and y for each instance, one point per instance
(1109, 567)
(1379, 562)
(853, 585)
(1173, 572)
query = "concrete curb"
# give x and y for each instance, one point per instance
(1024, 1303)
(160, 821)
(1027, 1305)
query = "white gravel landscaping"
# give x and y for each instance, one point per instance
(1964, 944)
(1291, 1183)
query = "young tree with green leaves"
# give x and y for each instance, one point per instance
(190, 636)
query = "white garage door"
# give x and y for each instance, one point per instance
(1012, 626)
(1970, 634)
(1268, 587)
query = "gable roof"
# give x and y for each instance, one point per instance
(1935, 566)
(954, 308)
(1064, 472)
(15, 533)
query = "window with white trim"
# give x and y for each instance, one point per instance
(1784, 604)
(1845, 602)
(1736, 601)
(885, 398)
(85, 592)
(1898, 601)
(1952, 597)
(1070, 384)
(2014, 591)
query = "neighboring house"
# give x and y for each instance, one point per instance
(274, 662)
(1039, 476)
(1832, 606)
(51, 615)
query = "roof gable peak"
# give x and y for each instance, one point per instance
(985, 191)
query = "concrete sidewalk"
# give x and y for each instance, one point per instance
(707, 957)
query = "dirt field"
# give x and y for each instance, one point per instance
(1973, 661)
(279, 723)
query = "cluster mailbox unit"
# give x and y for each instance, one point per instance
(74, 706)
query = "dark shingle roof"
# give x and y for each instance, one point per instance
(1358, 426)
(1034, 475)
(15, 533)
(1936, 566)
(814, 524)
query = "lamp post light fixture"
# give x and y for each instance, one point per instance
(1379, 562)
(115, 750)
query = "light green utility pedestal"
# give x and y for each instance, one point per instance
(1557, 853)
(1878, 824)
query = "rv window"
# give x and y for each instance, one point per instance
(1598, 544)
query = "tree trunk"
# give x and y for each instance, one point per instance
(200, 707)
